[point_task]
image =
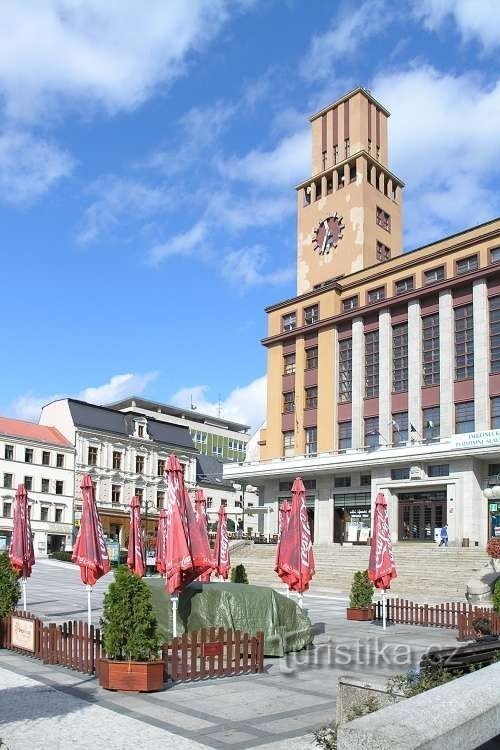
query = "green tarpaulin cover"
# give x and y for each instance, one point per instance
(238, 606)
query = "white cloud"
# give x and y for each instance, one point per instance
(475, 19)
(113, 54)
(342, 39)
(447, 166)
(29, 406)
(29, 167)
(119, 200)
(240, 212)
(200, 128)
(182, 244)
(284, 165)
(246, 267)
(246, 404)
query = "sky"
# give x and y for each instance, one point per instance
(147, 170)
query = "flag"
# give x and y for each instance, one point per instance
(372, 432)
(429, 424)
(413, 429)
(395, 425)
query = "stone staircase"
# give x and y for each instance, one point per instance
(425, 571)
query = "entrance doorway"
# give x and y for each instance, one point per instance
(420, 513)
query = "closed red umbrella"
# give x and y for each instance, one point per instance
(161, 534)
(21, 552)
(381, 567)
(296, 554)
(284, 516)
(221, 552)
(187, 553)
(201, 519)
(135, 556)
(90, 551)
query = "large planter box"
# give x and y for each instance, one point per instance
(137, 676)
(364, 614)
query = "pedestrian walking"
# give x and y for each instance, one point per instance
(444, 536)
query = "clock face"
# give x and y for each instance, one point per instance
(328, 234)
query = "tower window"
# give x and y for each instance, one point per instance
(345, 435)
(318, 190)
(312, 397)
(430, 347)
(312, 358)
(383, 219)
(288, 443)
(311, 434)
(341, 178)
(289, 364)
(324, 160)
(345, 370)
(335, 154)
(307, 195)
(369, 146)
(329, 185)
(347, 147)
(289, 402)
(383, 252)
(464, 343)
(352, 173)
(400, 358)
(371, 364)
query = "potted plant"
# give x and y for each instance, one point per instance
(361, 598)
(130, 637)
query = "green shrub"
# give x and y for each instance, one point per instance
(361, 590)
(64, 556)
(496, 596)
(239, 574)
(128, 623)
(413, 682)
(10, 588)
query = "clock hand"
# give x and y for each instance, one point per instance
(326, 236)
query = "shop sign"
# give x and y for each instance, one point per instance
(477, 439)
(23, 633)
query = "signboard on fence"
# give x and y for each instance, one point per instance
(213, 648)
(113, 548)
(23, 633)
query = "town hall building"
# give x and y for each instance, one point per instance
(384, 370)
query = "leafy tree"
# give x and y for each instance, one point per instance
(239, 574)
(361, 590)
(128, 622)
(10, 589)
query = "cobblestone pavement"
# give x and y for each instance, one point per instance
(278, 709)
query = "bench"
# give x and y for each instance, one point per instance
(461, 658)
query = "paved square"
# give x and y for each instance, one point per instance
(277, 709)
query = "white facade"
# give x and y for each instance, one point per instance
(47, 470)
(468, 463)
(121, 466)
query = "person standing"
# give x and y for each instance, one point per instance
(444, 536)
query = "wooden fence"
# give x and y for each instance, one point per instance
(213, 653)
(445, 615)
(207, 653)
(466, 629)
(72, 644)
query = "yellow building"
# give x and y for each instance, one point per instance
(384, 370)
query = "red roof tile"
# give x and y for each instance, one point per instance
(21, 429)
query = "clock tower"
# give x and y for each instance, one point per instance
(349, 212)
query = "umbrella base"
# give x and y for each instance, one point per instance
(360, 614)
(135, 676)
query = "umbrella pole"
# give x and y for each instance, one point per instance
(24, 593)
(300, 601)
(175, 601)
(89, 607)
(383, 610)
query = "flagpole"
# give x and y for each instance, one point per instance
(383, 610)
(24, 592)
(175, 601)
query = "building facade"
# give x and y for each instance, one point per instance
(126, 455)
(212, 436)
(43, 460)
(384, 370)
